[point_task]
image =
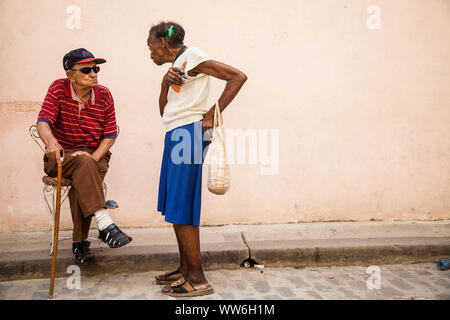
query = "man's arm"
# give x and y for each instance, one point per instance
(103, 148)
(46, 134)
(46, 118)
(110, 131)
(52, 145)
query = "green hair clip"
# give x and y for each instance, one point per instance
(170, 30)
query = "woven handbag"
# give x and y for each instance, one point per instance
(219, 170)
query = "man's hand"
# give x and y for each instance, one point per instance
(173, 76)
(52, 151)
(81, 153)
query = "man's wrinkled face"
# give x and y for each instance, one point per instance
(81, 79)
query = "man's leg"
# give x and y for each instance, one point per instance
(81, 224)
(81, 166)
(87, 181)
(189, 243)
(87, 184)
(68, 166)
(86, 195)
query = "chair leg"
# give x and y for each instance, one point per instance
(100, 244)
(49, 197)
(105, 189)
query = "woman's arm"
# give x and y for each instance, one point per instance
(173, 76)
(235, 80)
(163, 98)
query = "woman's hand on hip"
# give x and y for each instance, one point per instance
(207, 122)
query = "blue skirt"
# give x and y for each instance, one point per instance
(180, 182)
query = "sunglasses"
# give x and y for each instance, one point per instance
(87, 70)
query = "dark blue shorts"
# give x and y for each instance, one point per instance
(180, 182)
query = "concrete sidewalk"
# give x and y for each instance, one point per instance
(26, 255)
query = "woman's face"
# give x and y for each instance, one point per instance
(157, 50)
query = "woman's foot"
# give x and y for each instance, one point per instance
(186, 288)
(168, 277)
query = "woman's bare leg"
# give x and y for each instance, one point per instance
(188, 238)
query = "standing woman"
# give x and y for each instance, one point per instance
(182, 105)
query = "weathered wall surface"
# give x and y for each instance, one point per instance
(361, 116)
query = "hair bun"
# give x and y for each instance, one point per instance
(172, 31)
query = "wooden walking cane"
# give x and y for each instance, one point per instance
(56, 227)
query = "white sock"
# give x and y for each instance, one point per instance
(103, 219)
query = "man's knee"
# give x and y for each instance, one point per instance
(86, 165)
(85, 160)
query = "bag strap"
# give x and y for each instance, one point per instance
(218, 120)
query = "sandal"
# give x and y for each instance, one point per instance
(183, 288)
(170, 277)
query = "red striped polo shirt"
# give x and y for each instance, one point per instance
(72, 127)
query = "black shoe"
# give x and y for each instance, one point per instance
(113, 236)
(82, 252)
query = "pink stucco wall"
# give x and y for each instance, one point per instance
(361, 116)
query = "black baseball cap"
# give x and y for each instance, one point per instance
(80, 55)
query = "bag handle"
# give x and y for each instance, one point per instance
(218, 121)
